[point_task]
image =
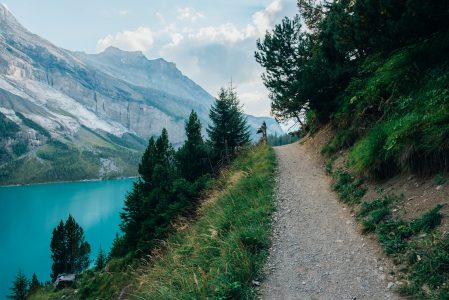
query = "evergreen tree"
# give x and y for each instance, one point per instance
(19, 290)
(58, 250)
(229, 129)
(192, 157)
(146, 216)
(69, 250)
(34, 284)
(77, 248)
(118, 248)
(100, 262)
(133, 214)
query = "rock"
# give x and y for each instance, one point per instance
(256, 283)
(390, 285)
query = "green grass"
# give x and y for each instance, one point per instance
(394, 115)
(344, 138)
(220, 255)
(349, 188)
(217, 256)
(416, 245)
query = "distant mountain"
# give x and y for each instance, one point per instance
(70, 115)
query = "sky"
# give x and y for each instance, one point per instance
(210, 41)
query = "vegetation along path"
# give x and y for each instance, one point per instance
(317, 252)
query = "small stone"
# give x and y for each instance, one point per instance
(439, 187)
(256, 283)
(390, 285)
(303, 283)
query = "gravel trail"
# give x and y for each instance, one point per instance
(317, 252)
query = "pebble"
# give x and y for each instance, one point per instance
(333, 258)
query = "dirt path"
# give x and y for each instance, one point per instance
(317, 252)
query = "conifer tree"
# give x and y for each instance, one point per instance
(69, 250)
(34, 284)
(228, 129)
(77, 248)
(100, 262)
(19, 290)
(193, 155)
(146, 216)
(58, 250)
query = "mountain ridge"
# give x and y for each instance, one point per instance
(94, 110)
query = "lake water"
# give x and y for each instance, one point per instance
(28, 215)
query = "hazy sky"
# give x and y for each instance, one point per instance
(209, 40)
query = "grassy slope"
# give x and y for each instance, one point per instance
(392, 119)
(218, 255)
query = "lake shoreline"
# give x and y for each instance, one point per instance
(66, 181)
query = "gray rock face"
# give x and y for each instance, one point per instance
(114, 93)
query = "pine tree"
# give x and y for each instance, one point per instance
(145, 216)
(34, 284)
(77, 249)
(70, 252)
(58, 250)
(19, 290)
(229, 129)
(192, 157)
(118, 248)
(100, 262)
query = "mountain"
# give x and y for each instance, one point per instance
(70, 115)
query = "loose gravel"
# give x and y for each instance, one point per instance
(317, 252)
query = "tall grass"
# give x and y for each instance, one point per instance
(394, 115)
(223, 252)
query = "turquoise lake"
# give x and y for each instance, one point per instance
(28, 215)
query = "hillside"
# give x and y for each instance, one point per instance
(219, 253)
(368, 81)
(84, 116)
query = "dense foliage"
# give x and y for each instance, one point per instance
(170, 181)
(378, 70)
(222, 254)
(69, 250)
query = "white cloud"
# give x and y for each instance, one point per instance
(176, 39)
(123, 12)
(211, 55)
(140, 39)
(265, 19)
(189, 13)
(223, 34)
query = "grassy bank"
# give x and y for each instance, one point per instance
(216, 256)
(416, 245)
(391, 128)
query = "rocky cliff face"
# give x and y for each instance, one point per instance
(85, 108)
